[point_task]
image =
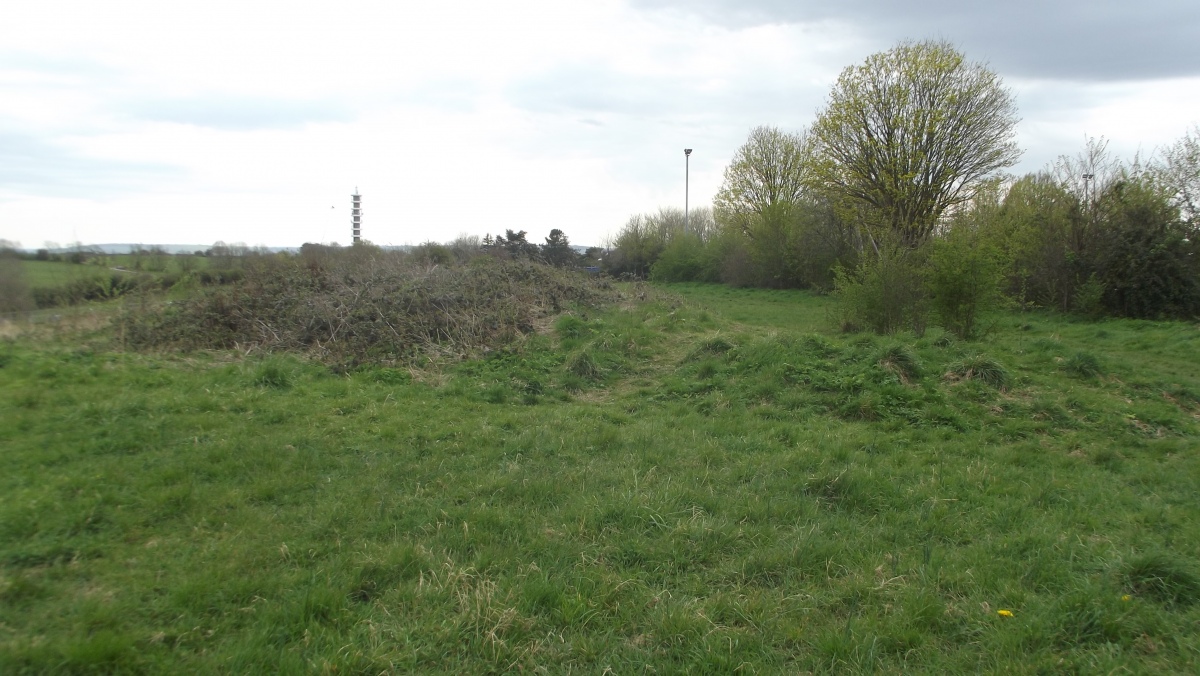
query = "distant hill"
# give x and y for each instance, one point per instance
(129, 248)
(124, 248)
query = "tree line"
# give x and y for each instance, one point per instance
(897, 200)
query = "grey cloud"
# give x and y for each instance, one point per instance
(30, 165)
(641, 122)
(594, 91)
(597, 90)
(1101, 40)
(237, 114)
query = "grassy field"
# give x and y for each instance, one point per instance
(43, 274)
(709, 481)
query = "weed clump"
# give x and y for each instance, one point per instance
(274, 374)
(571, 326)
(981, 368)
(714, 346)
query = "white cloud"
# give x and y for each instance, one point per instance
(245, 121)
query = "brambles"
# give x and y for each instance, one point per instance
(348, 312)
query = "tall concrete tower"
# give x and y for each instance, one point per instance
(356, 215)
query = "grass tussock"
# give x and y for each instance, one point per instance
(1164, 577)
(902, 361)
(1083, 365)
(981, 368)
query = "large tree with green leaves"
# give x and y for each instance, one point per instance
(767, 172)
(909, 134)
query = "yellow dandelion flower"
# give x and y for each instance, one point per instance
(1004, 613)
(1126, 597)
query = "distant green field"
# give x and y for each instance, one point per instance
(711, 481)
(56, 273)
(52, 273)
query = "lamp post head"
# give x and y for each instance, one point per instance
(687, 152)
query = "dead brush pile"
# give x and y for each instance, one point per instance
(380, 310)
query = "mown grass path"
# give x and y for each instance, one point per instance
(704, 485)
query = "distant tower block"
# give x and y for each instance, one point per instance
(356, 215)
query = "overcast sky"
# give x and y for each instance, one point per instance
(191, 122)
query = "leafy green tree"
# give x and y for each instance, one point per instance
(516, 245)
(687, 258)
(909, 134)
(791, 238)
(1145, 256)
(557, 250)
(963, 277)
(1041, 232)
(766, 171)
(637, 247)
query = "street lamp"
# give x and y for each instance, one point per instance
(687, 155)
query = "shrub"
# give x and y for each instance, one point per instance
(883, 293)
(84, 289)
(1089, 299)
(686, 259)
(1146, 256)
(963, 278)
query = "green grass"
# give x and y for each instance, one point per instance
(50, 274)
(713, 485)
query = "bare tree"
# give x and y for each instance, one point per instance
(1089, 172)
(465, 247)
(1179, 173)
